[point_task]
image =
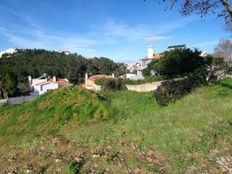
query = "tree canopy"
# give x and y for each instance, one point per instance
(36, 62)
(221, 8)
(224, 49)
(177, 62)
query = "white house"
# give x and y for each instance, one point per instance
(43, 87)
(43, 84)
(144, 62)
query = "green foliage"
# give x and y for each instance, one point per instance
(36, 62)
(74, 167)
(101, 81)
(47, 113)
(111, 83)
(151, 67)
(143, 81)
(104, 65)
(172, 90)
(199, 76)
(218, 62)
(114, 84)
(180, 62)
(227, 82)
(9, 84)
(178, 136)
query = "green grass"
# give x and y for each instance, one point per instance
(49, 112)
(138, 134)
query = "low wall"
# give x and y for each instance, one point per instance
(20, 100)
(147, 87)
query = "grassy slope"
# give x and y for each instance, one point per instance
(143, 137)
(49, 112)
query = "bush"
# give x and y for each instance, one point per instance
(143, 81)
(172, 90)
(227, 82)
(176, 63)
(114, 84)
(74, 167)
(101, 81)
(199, 76)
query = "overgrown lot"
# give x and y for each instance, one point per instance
(138, 136)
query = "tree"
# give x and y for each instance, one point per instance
(9, 84)
(224, 49)
(222, 8)
(151, 69)
(179, 62)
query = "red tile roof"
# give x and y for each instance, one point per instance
(155, 56)
(60, 82)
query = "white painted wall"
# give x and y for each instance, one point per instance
(150, 52)
(41, 89)
(36, 81)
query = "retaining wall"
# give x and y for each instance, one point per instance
(147, 87)
(20, 100)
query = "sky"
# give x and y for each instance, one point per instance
(118, 29)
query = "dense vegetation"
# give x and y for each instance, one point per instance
(111, 84)
(177, 63)
(15, 68)
(171, 90)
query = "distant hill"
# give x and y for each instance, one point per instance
(24, 62)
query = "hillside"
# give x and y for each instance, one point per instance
(49, 112)
(62, 132)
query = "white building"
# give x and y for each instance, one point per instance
(43, 84)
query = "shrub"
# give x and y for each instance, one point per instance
(199, 76)
(114, 84)
(180, 62)
(143, 81)
(176, 63)
(74, 167)
(227, 82)
(101, 81)
(172, 90)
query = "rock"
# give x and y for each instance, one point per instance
(58, 160)
(79, 159)
(29, 171)
(96, 156)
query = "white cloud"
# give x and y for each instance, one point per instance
(156, 38)
(110, 32)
